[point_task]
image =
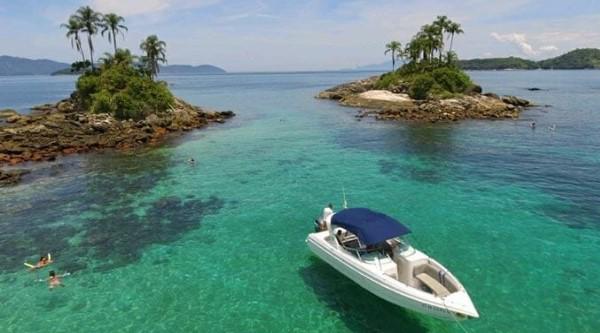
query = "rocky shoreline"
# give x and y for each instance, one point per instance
(395, 104)
(59, 129)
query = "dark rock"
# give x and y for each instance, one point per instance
(227, 114)
(474, 89)
(492, 95)
(516, 101)
(11, 177)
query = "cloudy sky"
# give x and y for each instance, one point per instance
(274, 35)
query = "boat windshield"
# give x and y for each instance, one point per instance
(401, 243)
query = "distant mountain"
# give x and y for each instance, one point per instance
(22, 66)
(385, 66)
(188, 69)
(498, 63)
(170, 69)
(576, 59)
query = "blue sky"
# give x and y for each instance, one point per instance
(269, 35)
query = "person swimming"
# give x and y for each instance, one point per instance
(54, 281)
(43, 262)
(191, 161)
(532, 125)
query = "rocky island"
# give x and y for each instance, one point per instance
(395, 103)
(429, 87)
(117, 105)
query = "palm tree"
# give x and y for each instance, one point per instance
(453, 28)
(111, 23)
(442, 23)
(396, 49)
(89, 20)
(122, 56)
(155, 50)
(73, 27)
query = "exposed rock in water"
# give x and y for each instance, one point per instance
(343, 90)
(395, 104)
(59, 129)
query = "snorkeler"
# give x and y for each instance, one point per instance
(54, 281)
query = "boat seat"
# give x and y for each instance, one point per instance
(437, 288)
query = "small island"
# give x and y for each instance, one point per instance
(429, 86)
(118, 104)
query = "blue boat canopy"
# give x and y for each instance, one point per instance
(369, 226)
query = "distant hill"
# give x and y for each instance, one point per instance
(384, 66)
(22, 66)
(498, 63)
(576, 59)
(170, 69)
(188, 69)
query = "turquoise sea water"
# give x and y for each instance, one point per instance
(157, 245)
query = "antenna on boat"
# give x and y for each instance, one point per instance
(345, 202)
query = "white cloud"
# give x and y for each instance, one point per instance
(548, 48)
(141, 7)
(518, 39)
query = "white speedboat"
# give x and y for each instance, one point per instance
(367, 247)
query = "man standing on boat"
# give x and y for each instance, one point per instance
(322, 221)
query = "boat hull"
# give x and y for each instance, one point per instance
(380, 284)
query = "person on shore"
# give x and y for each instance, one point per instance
(54, 281)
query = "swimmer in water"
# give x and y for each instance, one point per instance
(54, 281)
(43, 262)
(532, 125)
(191, 161)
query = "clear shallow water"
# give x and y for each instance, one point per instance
(157, 245)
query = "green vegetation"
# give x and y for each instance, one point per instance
(497, 63)
(576, 59)
(121, 89)
(431, 71)
(123, 85)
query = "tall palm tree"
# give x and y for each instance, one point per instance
(453, 29)
(73, 27)
(89, 20)
(112, 23)
(442, 23)
(396, 49)
(155, 50)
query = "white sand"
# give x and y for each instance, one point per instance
(384, 95)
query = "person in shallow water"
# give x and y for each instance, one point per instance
(54, 281)
(43, 262)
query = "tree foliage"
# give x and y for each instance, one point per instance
(431, 70)
(121, 89)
